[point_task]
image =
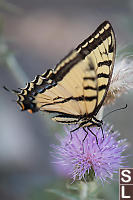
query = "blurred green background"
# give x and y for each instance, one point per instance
(34, 36)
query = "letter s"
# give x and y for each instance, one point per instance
(126, 173)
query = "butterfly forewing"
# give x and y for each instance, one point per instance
(78, 85)
(68, 95)
(101, 53)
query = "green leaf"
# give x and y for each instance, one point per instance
(63, 194)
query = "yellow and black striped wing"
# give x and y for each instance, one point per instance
(100, 49)
(78, 85)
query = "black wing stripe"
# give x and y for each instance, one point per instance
(101, 87)
(47, 73)
(90, 78)
(103, 75)
(67, 122)
(89, 88)
(111, 47)
(106, 62)
(80, 98)
(96, 42)
(64, 114)
(67, 67)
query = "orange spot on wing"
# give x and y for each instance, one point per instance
(30, 111)
(22, 105)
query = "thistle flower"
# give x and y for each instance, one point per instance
(122, 79)
(76, 158)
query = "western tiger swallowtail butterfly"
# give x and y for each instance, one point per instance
(76, 89)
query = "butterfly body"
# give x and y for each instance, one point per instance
(76, 89)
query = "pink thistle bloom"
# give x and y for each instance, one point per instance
(75, 158)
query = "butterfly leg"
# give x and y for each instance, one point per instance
(94, 135)
(86, 133)
(84, 137)
(102, 131)
(75, 129)
(91, 133)
(71, 137)
(99, 124)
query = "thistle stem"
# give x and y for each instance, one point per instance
(87, 188)
(83, 190)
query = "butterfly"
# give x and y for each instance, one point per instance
(76, 89)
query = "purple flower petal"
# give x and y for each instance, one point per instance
(74, 158)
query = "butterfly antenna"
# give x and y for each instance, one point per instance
(122, 108)
(12, 91)
(5, 88)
